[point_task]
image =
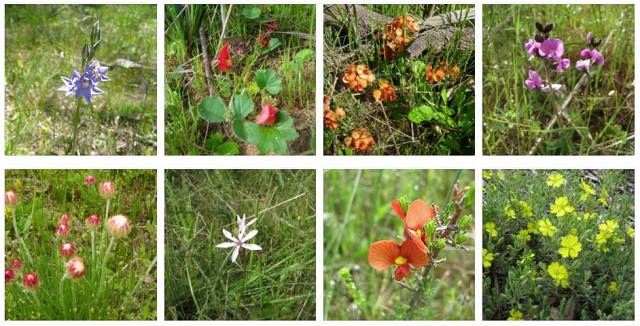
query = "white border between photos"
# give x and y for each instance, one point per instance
(318, 163)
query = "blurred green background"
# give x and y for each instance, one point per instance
(357, 213)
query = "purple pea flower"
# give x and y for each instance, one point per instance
(583, 65)
(81, 85)
(597, 57)
(532, 47)
(590, 57)
(551, 48)
(563, 64)
(97, 72)
(535, 81)
(589, 38)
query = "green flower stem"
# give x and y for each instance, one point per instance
(73, 298)
(93, 249)
(135, 288)
(104, 265)
(76, 125)
(103, 237)
(20, 240)
(244, 283)
(63, 307)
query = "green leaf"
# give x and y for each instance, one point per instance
(273, 44)
(303, 55)
(217, 146)
(213, 109)
(267, 79)
(241, 106)
(267, 138)
(214, 141)
(418, 68)
(228, 148)
(443, 94)
(421, 114)
(251, 12)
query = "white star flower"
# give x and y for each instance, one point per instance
(241, 241)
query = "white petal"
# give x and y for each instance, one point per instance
(229, 235)
(235, 254)
(249, 236)
(253, 221)
(251, 246)
(239, 220)
(226, 245)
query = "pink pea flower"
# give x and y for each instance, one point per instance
(535, 81)
(93, 221)
(551, 48)
(67, 249)
(30, 281)
(9, 275)
(267, 116)
(532, 47)
(62, 231)
(64, 219)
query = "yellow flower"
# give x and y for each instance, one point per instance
(525, 209)
(555, 180)
(546, 227)
(559, 273)
(532, 228)
(631, 232)
(491, 228)
(500, 175)
(524, 235)
(487, 258)
(587, 216)
(613, 287)
(486, 174)
(603, 198)
(570, 246)
(587, 188)
(561, 207)
(509, 212)
(515, 314)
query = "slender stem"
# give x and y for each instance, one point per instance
(76, 124)
(19, 237)
(73, 298)
(93, 249)
(104, 264)
(244, 283)
(63, 307)
(135, 288)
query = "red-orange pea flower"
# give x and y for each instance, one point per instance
(386, 253)
(224, 58)
(417, 216)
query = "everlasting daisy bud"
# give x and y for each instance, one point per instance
(9, 275)
(93, 221)
(17, 264)
(10, 199)
(118, 226)
(30, 281)
(75, 268)
(67, 249)
(89, 180)
(64, 219)
(107, 189)
(62, 231)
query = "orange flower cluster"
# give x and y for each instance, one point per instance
(384, 92)
(442, 72)
(360, 139)
(331, 117)
(397, 35)
(358, 77)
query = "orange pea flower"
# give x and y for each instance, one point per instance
(224, 58)
(386, 253)
(417, 216)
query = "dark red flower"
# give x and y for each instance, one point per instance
(272, 26)
(264, 39)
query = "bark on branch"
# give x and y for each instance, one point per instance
(435, 33)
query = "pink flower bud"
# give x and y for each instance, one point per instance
(67, 249)
(267, 116)
(10, 199)
(93, 221)
(107, 189)
(64, 219)
(75, 268)
(118, 226)
(9, 275)
(62, 231)
(89, 180)
(30, 281)
(17, 264)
